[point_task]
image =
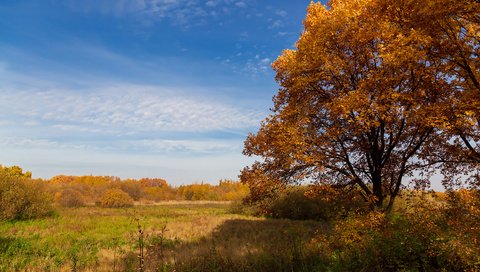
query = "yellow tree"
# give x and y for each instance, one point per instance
(449, 33)
(358, 104)
(453, 28)
(15, 171)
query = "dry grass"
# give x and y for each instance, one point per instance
(101, 239)
(180, 202)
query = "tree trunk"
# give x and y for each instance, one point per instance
(377, 191)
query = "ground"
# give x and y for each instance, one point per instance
(181, 236)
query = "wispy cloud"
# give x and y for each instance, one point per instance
(164, 88)
(241, 4)
(259, 65)
(177, 147)
(129, 108)
(276, 24)
(281, 13)
(33, 143)
(185, 146)
(184, 13)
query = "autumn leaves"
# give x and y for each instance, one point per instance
(376, 93)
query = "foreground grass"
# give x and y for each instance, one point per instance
(178, 236)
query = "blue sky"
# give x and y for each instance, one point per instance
(138, 88)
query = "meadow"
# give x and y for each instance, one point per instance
(177, 235)
(97, 226)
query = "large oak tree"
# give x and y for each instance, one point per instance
(366, 97)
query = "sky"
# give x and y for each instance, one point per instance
(138, 88)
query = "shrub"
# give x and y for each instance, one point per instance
(23, 198)
(426, 237)
(293, 204)
(70, 198)
(372, 242)
(116, 198)
(238, 207)
(462, 240)
(312, 202)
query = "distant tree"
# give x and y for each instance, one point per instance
(61, 180)
(363, 97)
(156, 189)
(197, 192)
(116, 198)
(70, 197)
(14, 171)
(230, 190)
(22, 197)
(133, 188)
(153, 182)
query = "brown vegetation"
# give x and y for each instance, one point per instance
(78, 190)
(69, 197)
(22, 197)
(116, 198)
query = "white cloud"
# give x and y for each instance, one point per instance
(189, 146)
(184, 13)
(276, 24)
(128, 108)
(31, 143)
(115, 7)
(143, 146)
(211, 3)
(241, 4)
(258, 65)
(281, 13)
(77, 128)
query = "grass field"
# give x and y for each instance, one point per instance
(182, 236)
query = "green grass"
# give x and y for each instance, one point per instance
(201, 237)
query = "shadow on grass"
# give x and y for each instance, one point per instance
(242, 245)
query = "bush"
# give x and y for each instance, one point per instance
(70, 198)
(238, 207)
(116, 198)
(312, 202)
(23, 198)
(462, 241)
(426, 237)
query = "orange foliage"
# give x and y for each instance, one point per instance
(374, 92)
(226, 190)
(116, 198)
(69, 198)
(91, 189)
(22, 197)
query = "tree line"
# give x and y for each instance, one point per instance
(148, 190)
(22, 197)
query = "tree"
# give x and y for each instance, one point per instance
(453, 31)
(69, 197)
(15, 171)
(116, 198)
(22, 197)
(359, 101)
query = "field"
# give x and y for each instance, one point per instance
(180, 236)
